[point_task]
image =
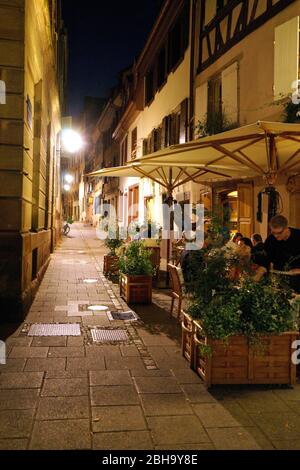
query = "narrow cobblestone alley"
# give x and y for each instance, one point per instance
(69, 392)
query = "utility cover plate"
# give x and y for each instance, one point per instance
(55, 329)
(129, 315)
(103, 336)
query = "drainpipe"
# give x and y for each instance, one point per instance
(192, 70)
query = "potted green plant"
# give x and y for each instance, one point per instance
(136, 272)
(111, 260)
(244, 335)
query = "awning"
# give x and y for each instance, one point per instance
(267, 149)
(170, 175)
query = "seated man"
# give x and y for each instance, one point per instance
(283, 250)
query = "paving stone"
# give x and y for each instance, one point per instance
(205, 446)
(50, 341)
(116, 377)
(197, 393)
(232, 439)
(66, 351)
(65, 387)
(74, 341)
(15, 423)
(114, 395)
(18, 399)
(117, 418)
(18, 380)
(280, 426)
(214, 414)
(287, 445)
(177, 430)
(150, 373)
(19, 351)
(235, 409)
(131, 440)
(35, 364)
(262, 401)
(61, 435)
(260, 438)
(63, 374)
(157, 385)
(85, 363)
(13, 444)
(123, 363)
(63, 408)
(13, 365)
(26, 341)
(289, 394)
(186, 376)
(165, 404)
(129, 351)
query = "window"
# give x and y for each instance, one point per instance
(123, 152)
(133, 142)
(215, 96)
(286, 57)
(179, 38)
(149, 87)
(161, 67)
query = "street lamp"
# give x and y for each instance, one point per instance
(69, 178)
(71, 140)
(67, 187)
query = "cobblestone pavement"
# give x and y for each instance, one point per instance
(68, 392)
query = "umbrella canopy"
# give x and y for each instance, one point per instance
(170, 175)
(266, 149)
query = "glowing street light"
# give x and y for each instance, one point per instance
(71, 141)
(67, 187)
(69, 178)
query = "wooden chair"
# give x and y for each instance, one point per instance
(177, 284)
(155, 260)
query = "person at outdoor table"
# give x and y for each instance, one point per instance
(259, 261)
(234, 242)
(283, 250)
(243, 253)
(192, 260)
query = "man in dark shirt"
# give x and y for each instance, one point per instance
(283, 249)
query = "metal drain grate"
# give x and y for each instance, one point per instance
(128, 315)
(55, 329)
(102, 336)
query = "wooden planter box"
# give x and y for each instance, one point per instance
(110, 265)
(136, 289)
(187, 340)
(236, 362)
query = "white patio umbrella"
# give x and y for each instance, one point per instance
(265, 149)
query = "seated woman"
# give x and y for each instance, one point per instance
(243, 257)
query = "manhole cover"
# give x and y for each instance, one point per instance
(55, 329)
(129, 315)
(102, 336)
(90, 281)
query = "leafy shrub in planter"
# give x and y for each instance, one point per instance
(136, 260)
(252, 310)
(113, 240)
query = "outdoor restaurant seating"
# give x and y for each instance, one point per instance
(177, 285)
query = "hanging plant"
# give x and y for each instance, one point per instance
(291, 112)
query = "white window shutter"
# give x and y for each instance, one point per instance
(230, 92)
(2, 96)
(286, 57)
(210, 10)
(201, 97)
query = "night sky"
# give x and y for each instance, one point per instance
(104, 37)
